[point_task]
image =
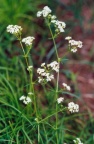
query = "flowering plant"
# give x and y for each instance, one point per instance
(45, 75)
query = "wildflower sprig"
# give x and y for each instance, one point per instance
(73, 44)
(72, 107)
(77, 141)
(52, 19)
(15, 30)
(60, 100)
(26, 100)
(66, 87)
(28, 40)
(46, 74)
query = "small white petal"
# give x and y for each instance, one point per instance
(28, 40)
(22, 97)
(68, 38)
(60, 100)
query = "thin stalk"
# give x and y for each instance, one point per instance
(53, 41)
(24, 53)
(51, 115)
(25, 56)
(31, 83)
(38, 134)
(56, 82)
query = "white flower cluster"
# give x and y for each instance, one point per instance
(45, 12)
(68, 38)
(29, 68)
(72, 107)
(66, 86)
(54, 66)
(73, 44)
(60, 100)
(45, 71)
(28, 40)
(44, 76)
(14, 29)
(25, 99)
(77, 141)
(59, 25)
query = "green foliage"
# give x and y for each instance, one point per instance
(17, 121)
(13, 10)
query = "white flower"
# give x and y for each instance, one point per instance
(40, 70)
(44, 76)
(72, 107)
(60, 100)
(39, 13)
(68, 38)
(45, 12)
(74, 50)
(28, 40)
(74, 44)
(29, 68)
(54, 65)
(45, 73)
(25, 99)
(53, 17)
(49, 77)
(59, 25)
(22, 97)
(40, 79)
(43, 64)
(53, 21)
(77, 141)
(80, 44)
(66, 86)
(28, 99)
(14, 29)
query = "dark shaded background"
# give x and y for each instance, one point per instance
(78, 16)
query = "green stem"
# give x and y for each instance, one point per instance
(25, 56)
(31, 76)
(24, 53)
(38, 134)
(31, 83)
(51, 115)
(53, 41)
(56, 82)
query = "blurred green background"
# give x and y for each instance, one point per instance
(78, 71)
(78, 16)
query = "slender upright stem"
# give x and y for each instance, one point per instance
(31, 86)
(56, 82)
(38, 134)
(24, 53)
(53, 41)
